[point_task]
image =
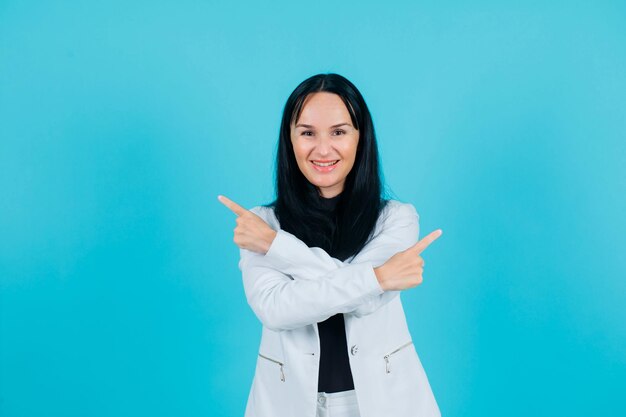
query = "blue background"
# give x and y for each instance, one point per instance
(502, 122)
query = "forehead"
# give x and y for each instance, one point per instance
(323, 108)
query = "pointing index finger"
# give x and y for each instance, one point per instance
(234, 207)
(430, 238)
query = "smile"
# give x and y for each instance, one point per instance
(324, 166)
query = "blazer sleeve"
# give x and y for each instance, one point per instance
(399, 231)
(283, 303)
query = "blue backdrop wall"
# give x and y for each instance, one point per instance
(120, 123)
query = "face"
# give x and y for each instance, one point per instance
(324, 134)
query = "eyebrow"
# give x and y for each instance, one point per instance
(333, 126)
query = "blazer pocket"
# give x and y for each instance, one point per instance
(278, 364)
(389, 355)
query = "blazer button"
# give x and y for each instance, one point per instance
(354, 349)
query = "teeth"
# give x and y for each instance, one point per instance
(325, 164)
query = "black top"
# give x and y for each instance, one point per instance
(334, 374)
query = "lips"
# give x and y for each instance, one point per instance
(325, 163)
(326, 167)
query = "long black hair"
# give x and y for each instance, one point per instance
(298, 206)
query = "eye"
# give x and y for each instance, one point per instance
(340, 132)
(307, 133)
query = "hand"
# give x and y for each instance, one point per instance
(252, 232)
(404, 269)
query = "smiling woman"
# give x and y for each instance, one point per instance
(323, 265)
(325, 150)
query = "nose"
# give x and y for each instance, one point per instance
(324, 145)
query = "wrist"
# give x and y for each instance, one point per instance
(380, 277)
(271, 235)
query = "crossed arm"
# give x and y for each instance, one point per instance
(293, 285)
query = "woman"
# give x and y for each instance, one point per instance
(323, 265)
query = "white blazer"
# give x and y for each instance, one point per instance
(293, 287)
